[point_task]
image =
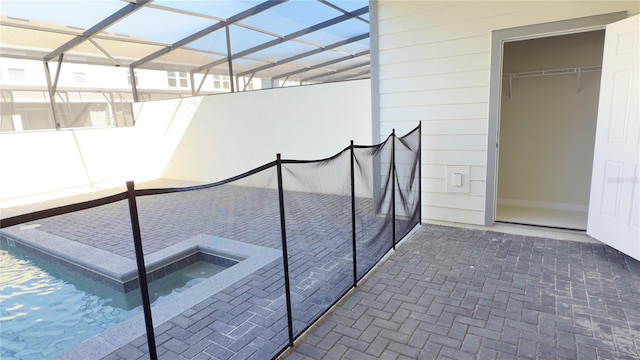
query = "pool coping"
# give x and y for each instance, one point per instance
(250, 257)
(115, 271)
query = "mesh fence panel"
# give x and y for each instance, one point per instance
(317, 202)
(407, 189)
(239, 220)
(373, 204)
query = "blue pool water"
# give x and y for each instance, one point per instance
(46, 310)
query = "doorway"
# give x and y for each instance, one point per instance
(546, 132)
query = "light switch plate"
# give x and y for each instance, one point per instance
(457, 180)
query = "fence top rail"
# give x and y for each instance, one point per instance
(60, 210)
(376, 146)
(293, 161)
(146, 192)
(411, 132)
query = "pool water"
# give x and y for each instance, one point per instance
(46, 310)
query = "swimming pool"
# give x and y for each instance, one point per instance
(46, 309)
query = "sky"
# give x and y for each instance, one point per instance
(169, 27)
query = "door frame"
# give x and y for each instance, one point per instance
(498, 38)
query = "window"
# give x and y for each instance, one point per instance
(79, 77)
(221, 82)
(17, 75)
(177, 79)
(135, 75)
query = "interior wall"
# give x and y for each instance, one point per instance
(547, 125)
(435, 66)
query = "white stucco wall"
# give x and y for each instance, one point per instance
(40, 162)
(204, 139)
(233, 133)
(435, 65)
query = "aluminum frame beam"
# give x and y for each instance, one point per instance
(134, 84)
(349, 76)
(305, 54)
(230, 63)
(333, 72)
(185, 12)
(336, 7)
(326, 63)
(52, 87)
(214, 18)
(289, 37)
(247, 82)
(206, 31)
(105, 52)
(204, 78)
(110, 20)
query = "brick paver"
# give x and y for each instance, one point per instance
(445, 293)
(452, 293)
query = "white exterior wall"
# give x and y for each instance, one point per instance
(39, 162)
(434, 65)
(234, 133)
(199, 139)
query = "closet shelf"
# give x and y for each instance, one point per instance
(575, 70)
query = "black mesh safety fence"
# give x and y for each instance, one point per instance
(317, 203)
(407, 178)
(372, 170)
(242, 267)
(236, 224)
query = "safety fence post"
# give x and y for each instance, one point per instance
(142, 274)
(353, 215)
(285, 258)
(420, 173)
(393, 187)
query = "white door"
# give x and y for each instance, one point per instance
(614, 207)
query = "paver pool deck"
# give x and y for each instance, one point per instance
(445, 293)
(450, 293)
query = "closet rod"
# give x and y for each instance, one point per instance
(575, 70)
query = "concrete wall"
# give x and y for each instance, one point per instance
(434, 65)
(199, 139)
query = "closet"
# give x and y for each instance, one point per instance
(547, 125)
